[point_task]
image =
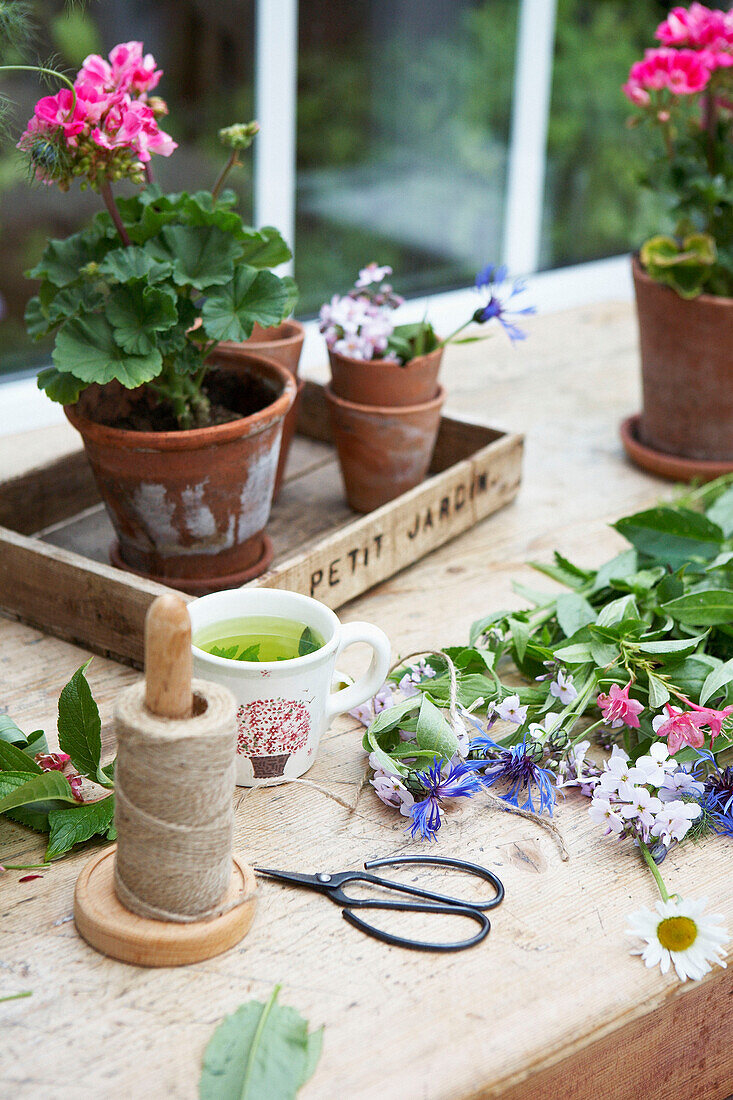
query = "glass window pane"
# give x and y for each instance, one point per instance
(594, 206)
(207, 54)
(403, 126)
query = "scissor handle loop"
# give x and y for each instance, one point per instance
(439, 861)
(414, 907)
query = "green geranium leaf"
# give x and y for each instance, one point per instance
(64, 388)
(201, 256)
(137, 313)
(79, 725)
(37, 321)
(86, 348)
(124, 265)
(72, 301)
(251, 296)
(261, 1050)
(264, 247)
(79, 823)
(62, 261)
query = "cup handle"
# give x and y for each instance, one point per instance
(356, 694)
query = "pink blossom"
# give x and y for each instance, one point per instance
(708, 716)
(60, 110)
(52, 761)
(682, 72)
(618, 709)
(696, 26)
(130, 70)
(680, 728)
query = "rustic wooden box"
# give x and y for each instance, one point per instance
(53, 545)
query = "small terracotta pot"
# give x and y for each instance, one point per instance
(383, 451)
(687, 371)
(284, 344)
(189, 507)
(374, 382)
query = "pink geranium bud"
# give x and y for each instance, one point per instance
(618, 709)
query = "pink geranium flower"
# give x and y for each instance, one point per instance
(682, 72)
(696, 26)
(60, 110)
(618, 709)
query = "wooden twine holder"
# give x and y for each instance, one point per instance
(101, 918)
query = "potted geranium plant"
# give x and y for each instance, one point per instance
(384, 397)
(184, 451)
(684, 280)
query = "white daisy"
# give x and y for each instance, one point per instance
(680, 934)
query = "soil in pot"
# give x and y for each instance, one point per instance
(687, 371)
(189, 507)
(379, 383)
(383, 451)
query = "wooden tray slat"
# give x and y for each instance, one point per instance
(60, 580)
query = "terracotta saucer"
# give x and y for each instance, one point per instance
(210, 584)
(674, 467)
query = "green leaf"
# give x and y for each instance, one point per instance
(251, 296)
(718, 679)
(80, 823)
(392, 717)
(44, 786)
(658, 692)
(433, 732)
(307, 643)
(137, 313)
(265, 248)
(125, 265)
(13, 759)
(202, 256)
(708, 608)
(619, 568)
(617, 610)
(520, 637)
(63, 260)
(64, 388)
(603, 651)
(677, 646)
(10, 732)
(579, 653)
(37, 321)
(261, 1050)
(672, 536)
(86, 348)
(79, 725)
(573, 612)
(721, 512)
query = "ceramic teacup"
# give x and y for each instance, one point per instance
(284, 707)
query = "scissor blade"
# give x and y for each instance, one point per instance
(290, 876)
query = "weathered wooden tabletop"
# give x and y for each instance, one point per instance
(552, 1005)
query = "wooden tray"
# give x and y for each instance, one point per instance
(54, 570)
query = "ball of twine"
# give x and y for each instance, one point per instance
(174, 781)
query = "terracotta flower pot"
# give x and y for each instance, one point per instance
(383, 451)
(284, 344)
(189, 507)
(687, 371)
(374, 382)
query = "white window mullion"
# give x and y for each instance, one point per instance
(528, 143)
(276, 91)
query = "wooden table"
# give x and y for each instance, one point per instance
(553, 1005)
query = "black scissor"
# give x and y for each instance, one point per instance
(332, 886)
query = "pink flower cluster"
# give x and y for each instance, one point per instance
(688, 727)
(106, 126)
(618, 709)
(359, 324)
(271, 727)
(695, 43)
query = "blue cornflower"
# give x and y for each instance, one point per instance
(459, 781)
(489, 278)
(517, 766)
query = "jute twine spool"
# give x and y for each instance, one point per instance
(174, 782)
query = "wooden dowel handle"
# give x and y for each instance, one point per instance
(168, 658)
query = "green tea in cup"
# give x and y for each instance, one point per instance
(259, 638)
